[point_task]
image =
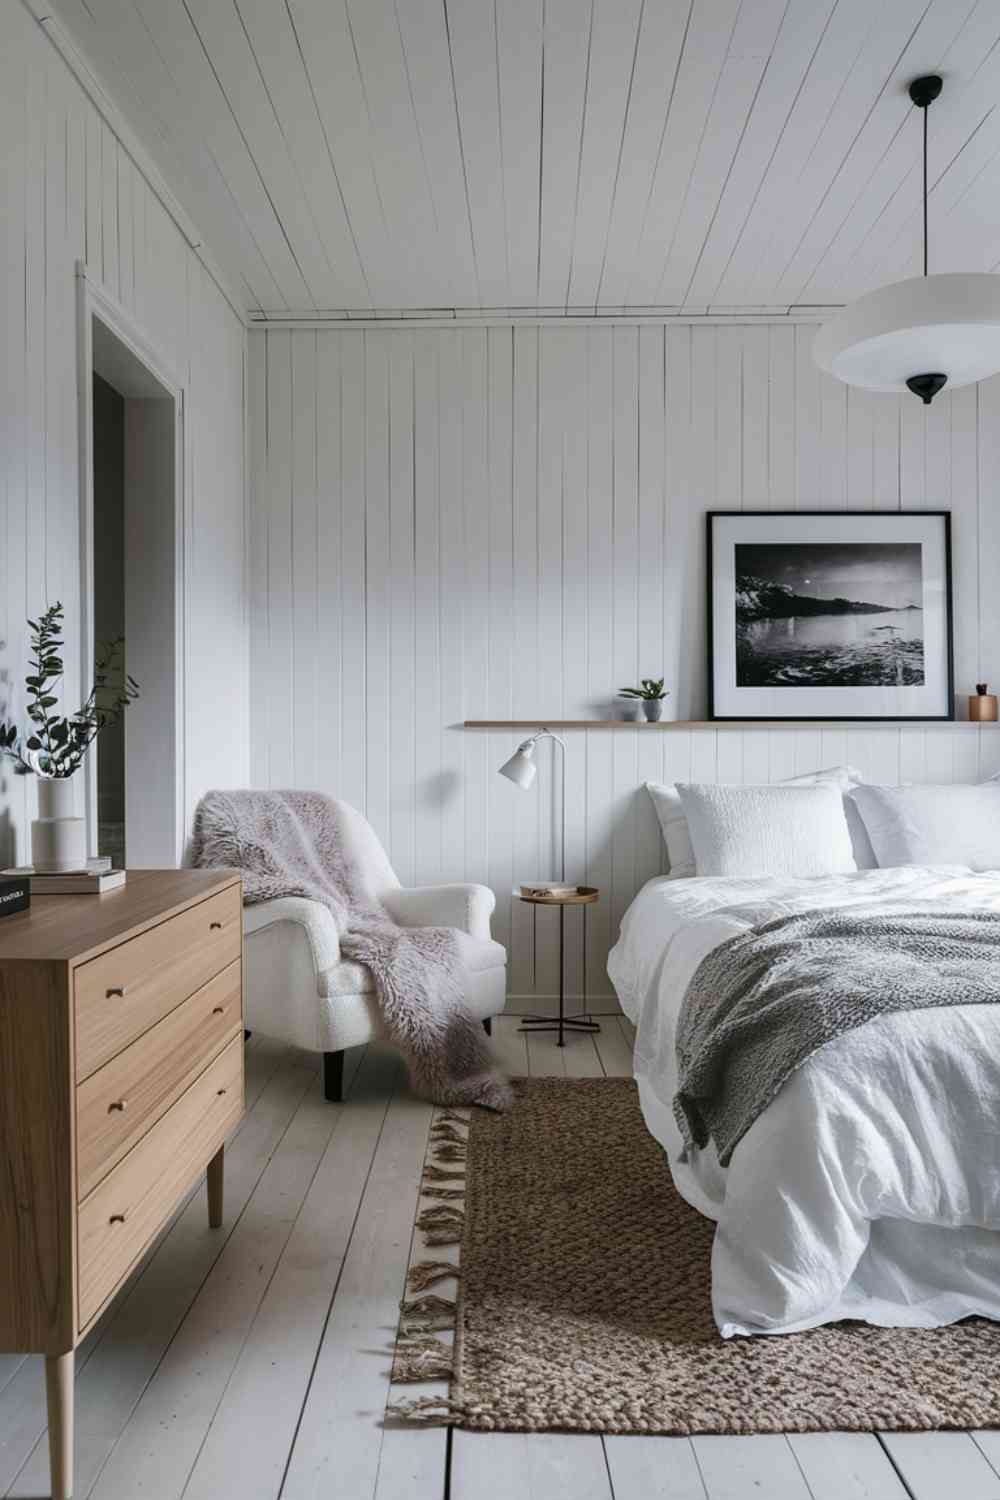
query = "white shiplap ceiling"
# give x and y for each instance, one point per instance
(350, 155)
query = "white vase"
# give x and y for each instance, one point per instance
(58, 838)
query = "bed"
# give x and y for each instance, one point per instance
(869, 1188)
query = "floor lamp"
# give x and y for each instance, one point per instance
(522, 769)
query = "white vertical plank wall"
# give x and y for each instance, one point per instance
(520, 515)
(70, 193)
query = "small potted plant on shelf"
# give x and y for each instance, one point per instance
(54, 747)
(651, 693)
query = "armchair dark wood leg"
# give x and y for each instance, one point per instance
(333, 1076)
(488, 1025)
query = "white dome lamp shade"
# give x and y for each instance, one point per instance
(920, 334)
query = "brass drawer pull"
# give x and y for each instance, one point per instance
(118, 990)
(218, 1010)
(117, 1219)
(215, 926)
(119, 1104)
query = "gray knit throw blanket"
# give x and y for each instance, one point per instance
(762, 1003)
(291, 844)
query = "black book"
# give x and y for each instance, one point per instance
(15, 894)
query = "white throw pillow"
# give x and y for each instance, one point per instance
(666, 800)
(768, 830)
(933, 825)
(673, 822)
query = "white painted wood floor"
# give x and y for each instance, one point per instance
(252, 1362)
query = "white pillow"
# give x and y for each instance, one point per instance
(933, 825)
(666, 800)
(673, 823)
(768, 830)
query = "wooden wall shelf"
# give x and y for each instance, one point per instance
(640, 724)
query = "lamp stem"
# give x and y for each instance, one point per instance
(548, 735)
(925, 113)
(923, 91)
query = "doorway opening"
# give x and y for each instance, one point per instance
(132, 572)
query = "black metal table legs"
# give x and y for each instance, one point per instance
(564, 1023)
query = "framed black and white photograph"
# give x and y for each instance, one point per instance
(829, 615)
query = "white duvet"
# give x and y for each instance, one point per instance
(870, 1187)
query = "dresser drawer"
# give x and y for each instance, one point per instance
(127, 990)
(120, 1217)
(118, 1104)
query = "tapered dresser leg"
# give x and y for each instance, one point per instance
(216, 1169)
(59, 1394)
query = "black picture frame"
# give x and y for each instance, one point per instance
(944, 516)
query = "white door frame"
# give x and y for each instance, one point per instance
(93, 301)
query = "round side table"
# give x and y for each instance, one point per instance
(584, 895)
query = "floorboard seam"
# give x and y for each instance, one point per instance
(982, 1450)
(607, 1461)
(253, 1321)
(197, 1293)
(336, 1287)
(895, 1466)
(402, 1291)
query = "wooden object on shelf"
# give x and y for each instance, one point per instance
(121, 1075)
(983, 706)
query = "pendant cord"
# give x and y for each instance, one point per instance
(925, 114)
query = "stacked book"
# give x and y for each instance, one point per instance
(93, 879)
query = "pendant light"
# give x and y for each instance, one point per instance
(919, 334)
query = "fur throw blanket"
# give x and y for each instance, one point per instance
(293, 844)
(760, 1004)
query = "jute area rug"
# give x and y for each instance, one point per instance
(584, 1300)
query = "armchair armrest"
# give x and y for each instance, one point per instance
(312, 916)
(466, 907)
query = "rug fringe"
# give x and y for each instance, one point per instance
(432, 1411)
(438, 1174)
(418, 1355)
(441, 1216)
(431, 1304)
(421, 1357)
(428, 1272)
(435, 1323)
(428, 1314)
(451, 1151)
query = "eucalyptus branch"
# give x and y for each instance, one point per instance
(56, 744)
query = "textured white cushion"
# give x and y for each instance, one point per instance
(933, 825)
(768, 830)
(673, 822)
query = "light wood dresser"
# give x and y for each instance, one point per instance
(121, 1074)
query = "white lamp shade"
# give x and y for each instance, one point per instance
(947, 325)
(520, 769)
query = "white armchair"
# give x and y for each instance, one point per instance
(300, 989)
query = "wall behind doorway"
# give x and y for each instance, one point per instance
(109, 601)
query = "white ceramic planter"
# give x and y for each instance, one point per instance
(58, 838)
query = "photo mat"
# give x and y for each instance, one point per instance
(830, 615)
